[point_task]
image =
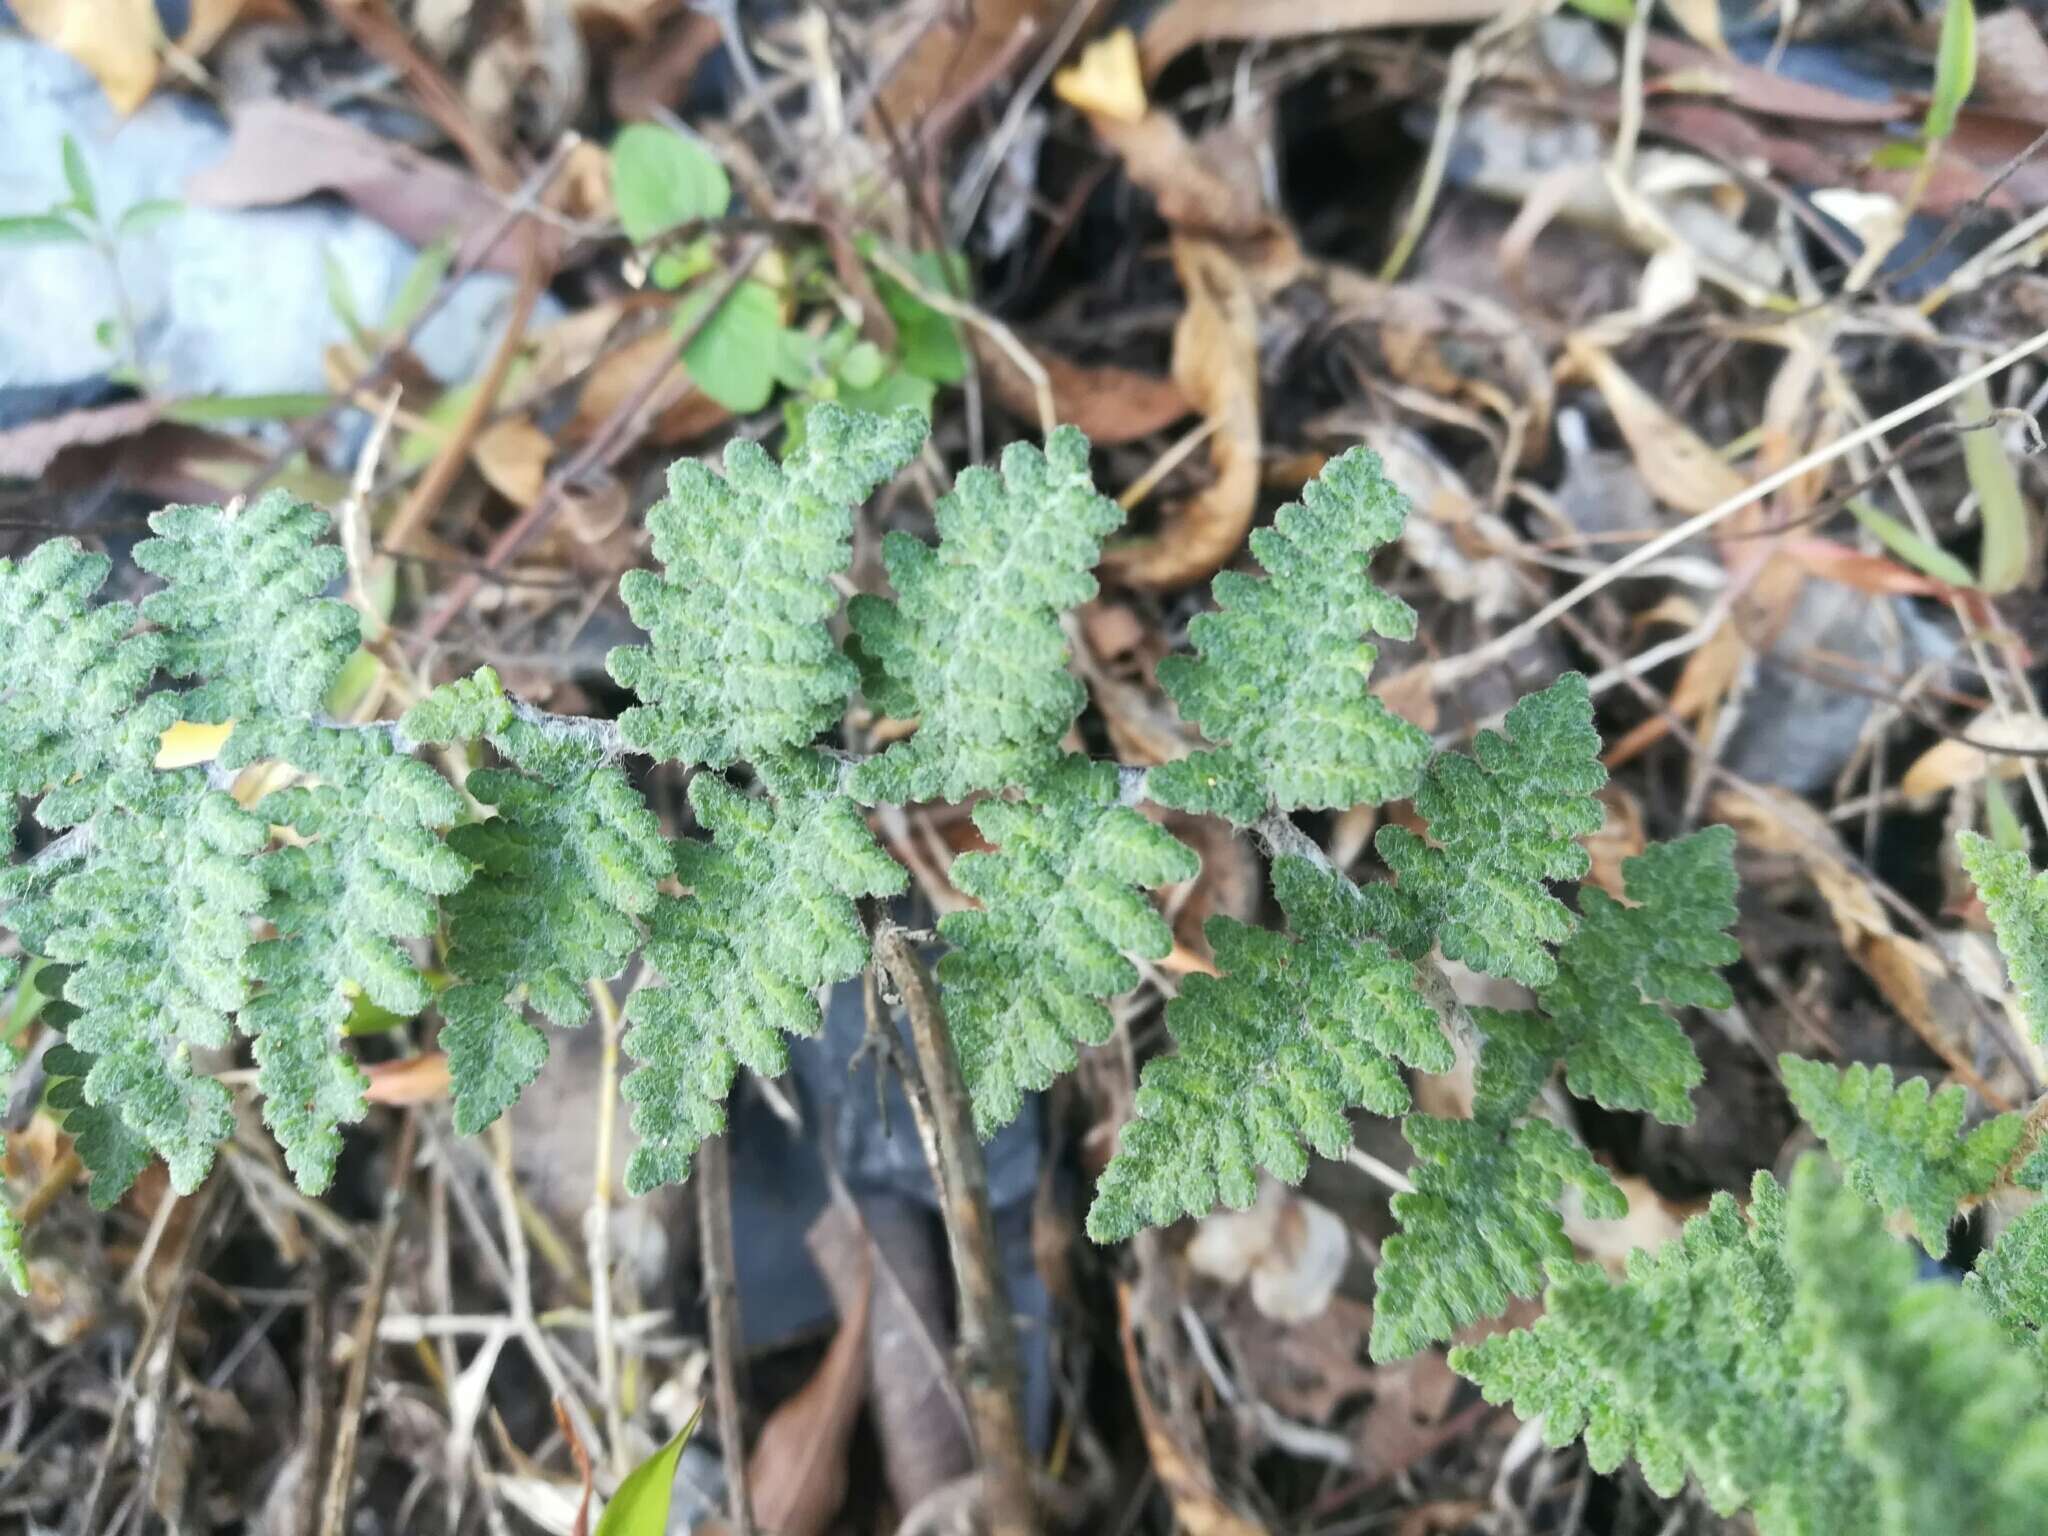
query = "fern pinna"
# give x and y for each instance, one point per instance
(319, 865)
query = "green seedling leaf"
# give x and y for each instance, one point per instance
(145, 216)
(40, 229)
(207, 410)
(733, 355)
(1616, 13)
(1955, 68)
(640, 1507)
(2008, 835)
(2002, 565)
(1899, 155)
(79, 179)
(661, 179)
(1929, 559)
(927, 341)
(425, 275)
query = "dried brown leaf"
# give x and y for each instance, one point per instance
(280, 152)
(1111, 404)
(796, 1473)
(512, 455)
(421, 1079)
(1216, 364)
(26, 451)
(1680, 467)
(1950, 762)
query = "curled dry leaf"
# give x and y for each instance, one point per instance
(512, 454)
(1111, 404)
(122, 41)
(1988, 753)
(1291, 1250)
(1216, 364)
(1676, 463)
(1189, 1485)
(1775, 821)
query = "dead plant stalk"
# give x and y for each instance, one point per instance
(988, 1333)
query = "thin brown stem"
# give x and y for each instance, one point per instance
(341, 1471)
(988, 1332)
(722, 1297)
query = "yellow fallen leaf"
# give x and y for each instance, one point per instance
(120, 41)
(513, 455)
(184, 745)
(1951, 762)
(1679, 467)
(1108, 82)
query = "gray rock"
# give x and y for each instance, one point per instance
(224, 301)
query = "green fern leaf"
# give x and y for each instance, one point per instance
(155, 925)
(1500, 825)
(770, 918)
(1902, 1146)
(1943, 1412)
(1696, 1363)
(1028, 972)
(362, 873)
(1620, 1048)
(1297, 1029)
(2017, 900)
(1480, 1225)
(13, 1257)
(741, 665)
(1280, 679)
(564, 870)
(70, 673)
(972, 646)
(112, 1153)
(2011, 1281)
(241, 607)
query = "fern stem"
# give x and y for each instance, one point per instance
(988, 1336)
(722, 1299)
(597, 1228)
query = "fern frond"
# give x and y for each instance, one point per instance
(739, 664)
(112, 1153)
(769, 919)
(1695, 1363)
(972, 646)
(1480, 1225)
(1299, 1028)
(565, 867)
(1279, 681)
(241, 609)
(1902, 1146)
(155, 925)
(1942, 1411)
(70, 674)
(1030, 970)
(2011, 1281)
(2016, 898)
(363, 871)
(13, 1261)
(1620, 1048)
(1500, 825)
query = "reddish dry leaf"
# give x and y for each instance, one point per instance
(1192, 196)
(27, 451)
(421, 1079)
(1186, 23)
(1878, 574)
(958, 47)
(281, 152)
(1111, 404)
(1759, 90)
(1216, 363)
(796, 1475)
